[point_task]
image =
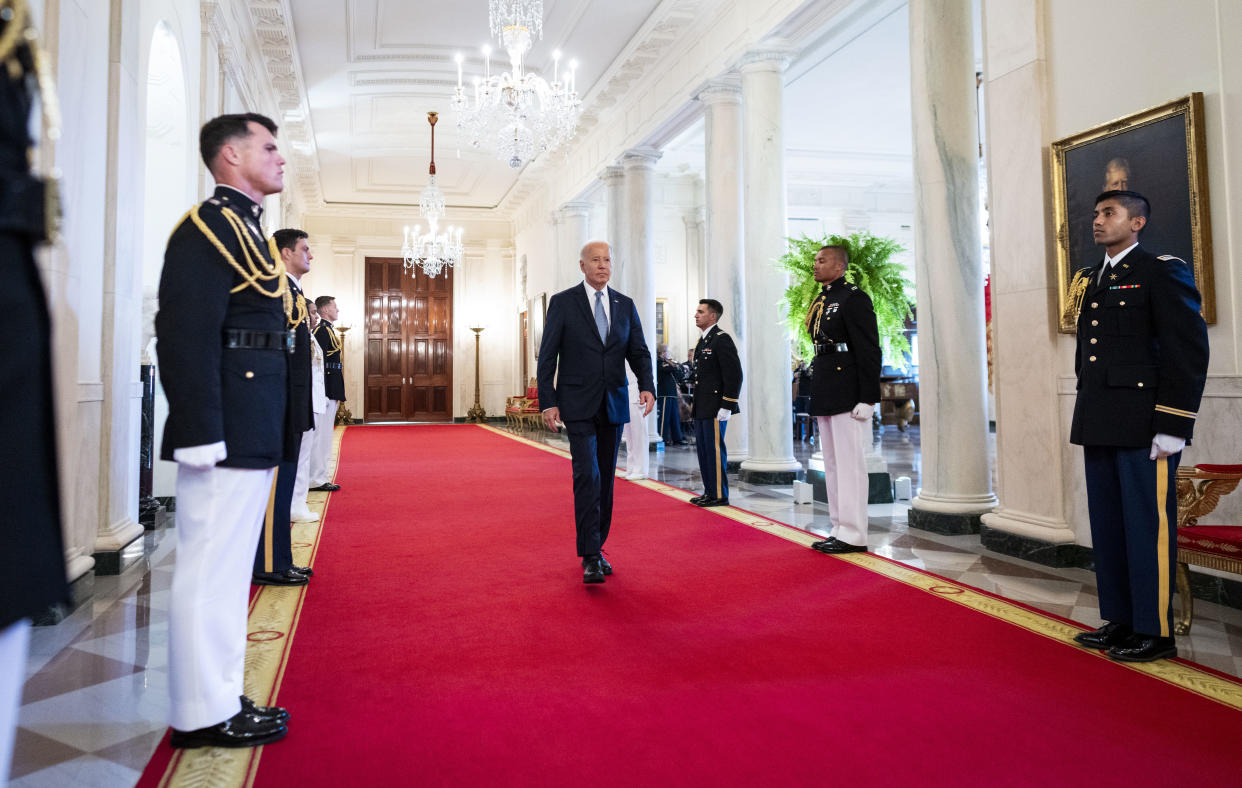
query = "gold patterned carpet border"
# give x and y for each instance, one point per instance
(273, 620)
(1179, 673)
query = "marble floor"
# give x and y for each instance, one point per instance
(96, 695)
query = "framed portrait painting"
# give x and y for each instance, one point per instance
(1162, 154)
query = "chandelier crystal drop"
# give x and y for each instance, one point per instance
(518, 114)
(432, 251)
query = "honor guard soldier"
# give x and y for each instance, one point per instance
(845, 385)
(273, 560)
(223, 346)
(333, 346)
(1141, 362)
(717, 386)
(32, 557)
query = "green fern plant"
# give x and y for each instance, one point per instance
(871, 268)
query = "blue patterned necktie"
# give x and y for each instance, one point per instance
(601, 320)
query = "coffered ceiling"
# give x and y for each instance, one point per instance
(372, 69)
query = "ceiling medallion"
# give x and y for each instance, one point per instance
(518, 114)
(432, 251)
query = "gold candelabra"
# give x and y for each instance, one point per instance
(476, 414)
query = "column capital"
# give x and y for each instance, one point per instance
(579, 209)
(640, 158)
(725, 89)
(613, 173)
(772, 54)
(694, 217)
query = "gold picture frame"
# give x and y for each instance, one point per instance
(1161, 153)
(661, 331)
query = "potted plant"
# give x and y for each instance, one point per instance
(871, 268)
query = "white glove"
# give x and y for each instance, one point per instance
(862, 412)
(723, 414)
(1163, 445)
(201, 457)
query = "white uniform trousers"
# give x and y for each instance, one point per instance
(325, 424)
(298, 510)
(843, 440)
(220, 512)
(14, 647)
(637, 450)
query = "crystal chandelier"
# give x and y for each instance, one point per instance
(519, 114)
(432, 251)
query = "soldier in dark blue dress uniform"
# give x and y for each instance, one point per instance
(273, 560)
(668, 385)
(333, 346)
(223, 342)
(717, 386)
(32, 557)
(1141, 363)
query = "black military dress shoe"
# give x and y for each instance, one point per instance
(285, 578)
(604, 565)
(834, 546)
(303, 570)
(822, 543)
(326, 487)
(240, 730)
(705, 502)
(592, 570)
(275, 713)
(696, 500)
(1107, 636)
(1143, 648)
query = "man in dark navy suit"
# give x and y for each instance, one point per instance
(590, 332)
(1141, 362)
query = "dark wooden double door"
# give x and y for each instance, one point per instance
(409, 359)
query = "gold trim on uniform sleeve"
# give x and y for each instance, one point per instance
(1162, 544)
(1185, 414)
(728, 399)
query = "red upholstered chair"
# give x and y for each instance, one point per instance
(524, 407)
(1219, 547)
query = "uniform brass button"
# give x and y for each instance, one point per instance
(838, 369)
(1094, 340)
(1140, 384)
(1095, 322)
(1095, 305)
(1121, 303)
(250, 374)
(1091, 359)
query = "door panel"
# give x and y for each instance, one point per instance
(409, 351)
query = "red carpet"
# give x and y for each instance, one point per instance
(447, 638)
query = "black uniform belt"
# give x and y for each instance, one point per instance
(332, 365)
(832, 347)
(248, 339)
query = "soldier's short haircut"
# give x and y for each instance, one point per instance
(713, 305)
(841, 250)
(1134, 203)
(288, 238)
(323, 301)
(216, 132)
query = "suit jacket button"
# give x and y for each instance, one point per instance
(250, 374)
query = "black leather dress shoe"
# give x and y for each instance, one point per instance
(822, 543)
(1107, 636)
(713, 502)
(274, 713)
(835, 546)
(697, 499)
(326, 487)
(303, 570)
(240, 730)
(604, 565)
(285, 578)
(592, 570)
(1144, 648)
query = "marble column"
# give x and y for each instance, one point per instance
(767, 346)
(956, 481)
(614, 184)
(1035, 479)
(723, 276)
(574, 221)
(695, 223)
(639, 261)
